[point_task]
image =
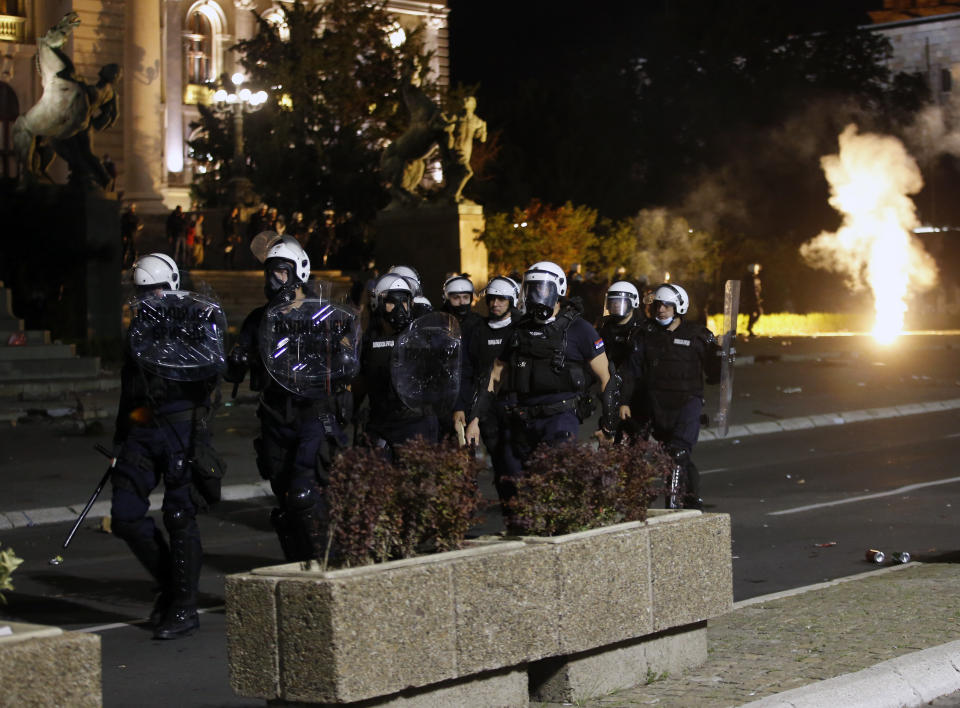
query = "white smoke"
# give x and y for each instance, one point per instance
(870, 180)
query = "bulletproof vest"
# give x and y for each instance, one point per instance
(490, 344)
(616, 337)
(538, 361)
(375, 365)
(672, 359)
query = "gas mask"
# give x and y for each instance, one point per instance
(539, 298)
(274, 284)
(399, 315)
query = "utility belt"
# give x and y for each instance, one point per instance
(542, 410)
(181, 416)
(288, 409)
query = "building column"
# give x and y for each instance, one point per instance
(174, 87)
(143, 128)
(245, 25)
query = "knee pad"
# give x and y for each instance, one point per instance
(681, 456)
(178, 521)
(301, 498)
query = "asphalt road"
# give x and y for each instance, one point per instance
(839, 485)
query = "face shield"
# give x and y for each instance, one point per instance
(619, 305)
(539, 298)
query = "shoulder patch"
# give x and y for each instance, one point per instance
(599, 343)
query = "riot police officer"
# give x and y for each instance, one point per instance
(547, 362)
(482, 346)
(421, 304)
(665, 372)
(458, 299)
(391, 422)
(299, 435)
(162, 425)
(625, 316)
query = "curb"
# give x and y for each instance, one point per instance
(910, 680)
(60, 514)
(826, 420)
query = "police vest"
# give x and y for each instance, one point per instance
(538, 358)
(488, 344)
(616, 337)
(672, 361)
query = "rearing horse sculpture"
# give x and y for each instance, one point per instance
(66, 112)
(403, 161)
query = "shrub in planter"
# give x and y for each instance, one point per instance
(425, 501)
(8, 564)
(573, 487)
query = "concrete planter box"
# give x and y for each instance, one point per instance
(465, 627)
(45, 666)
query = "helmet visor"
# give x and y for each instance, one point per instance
(618, 305)
(540, 292)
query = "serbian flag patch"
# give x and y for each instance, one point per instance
(599, 343)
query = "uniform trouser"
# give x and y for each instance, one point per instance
(495, 437)
(523, 435)
(151, 454)
(387, 434)
(296, 457)
(679, 429)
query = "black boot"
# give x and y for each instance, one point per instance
(181, 618)
(151, 549)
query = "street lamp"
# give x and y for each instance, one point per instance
(240, 101)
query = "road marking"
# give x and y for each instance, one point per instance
(952, 435)
(718, 469)
(864, 497)
(121, 625)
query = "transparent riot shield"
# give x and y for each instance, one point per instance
(178, 335)
(425, 365)
(308, 345)
(731, 307)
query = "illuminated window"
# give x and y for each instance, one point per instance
(203, 26)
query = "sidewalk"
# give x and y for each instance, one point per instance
(889, 637)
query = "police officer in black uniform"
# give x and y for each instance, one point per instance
(161, 425)
(483, 345)
(458, 299)
(391, 422)
(625, 316)
(299, 436)
(665, 372)
(547, 363)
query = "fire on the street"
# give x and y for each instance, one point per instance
(870, 182)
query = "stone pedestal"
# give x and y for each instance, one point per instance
(60, 256)
(435, 240)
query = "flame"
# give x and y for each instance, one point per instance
(870, 180)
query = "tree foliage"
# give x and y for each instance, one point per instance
(333, 103)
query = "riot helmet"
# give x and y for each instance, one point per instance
(394, 290)
(502, 286)
(155, 270)
(286, 264)
(421, 306)
(458, 285)
(411, 275)
(544, 284)
(670, 294)
(622, 298)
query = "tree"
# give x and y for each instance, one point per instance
(538, 232)
(333, 103)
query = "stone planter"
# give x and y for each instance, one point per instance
(45, 666)
(581, 613)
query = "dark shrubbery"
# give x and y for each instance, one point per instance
(425, 501)
(573, 487)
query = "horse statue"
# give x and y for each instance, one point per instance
(68, 110)
(403, 162)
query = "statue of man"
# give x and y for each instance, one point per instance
(462, 129)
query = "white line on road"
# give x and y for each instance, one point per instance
(864, 497)
(952, 435)
(121, 625)
(716, 469)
